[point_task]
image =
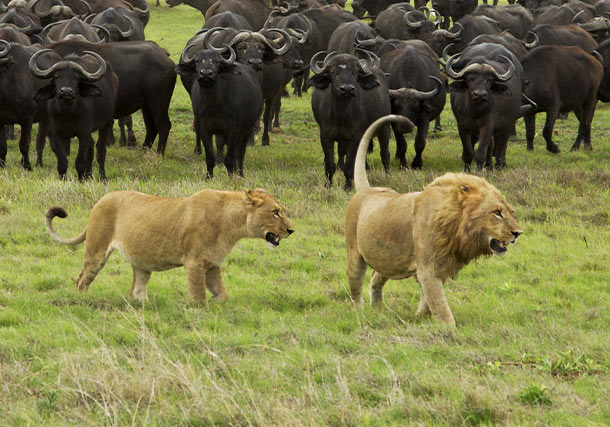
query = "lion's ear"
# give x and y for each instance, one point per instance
(250, 198)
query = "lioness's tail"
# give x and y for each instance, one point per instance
(360, 179)
(60, 212)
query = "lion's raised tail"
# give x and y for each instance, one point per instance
(360, 179)
(60, 212)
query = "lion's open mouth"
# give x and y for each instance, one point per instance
(497, 246)
(273, 239)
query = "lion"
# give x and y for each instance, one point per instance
(156, 234)
(429, 234)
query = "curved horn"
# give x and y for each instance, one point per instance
(287, 41)
(407, 20)
(106, 37)
(185, 58)
(36, 70)
(455, 35)
(270, 17)
(143, 12)
(449, 67)
(206, 39)
(98, 74)
(299, 34)
(418, 94)
(34, 9)
(534, 43)
(576, 16)
(313, 64)
(90, 18)
(44, 34)
(595, 53)
(231, 59)
(87, 6)
(132, 27)
(437, 17)
(446, 51)
(6, 50)
(369, 64)
(509, 73)
(425, 11)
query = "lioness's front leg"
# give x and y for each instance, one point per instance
(432, 288)
(422, 308)
(213, 281)
(377, 283)
(195, 276)
(138, 284)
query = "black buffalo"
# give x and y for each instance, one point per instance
(416, 92)
(227, 102)
(256, 12)
(515, 18)
(486, 101)
(564, 35)
(349, 94)
(560, 79)
(79, 102)
(462, 33)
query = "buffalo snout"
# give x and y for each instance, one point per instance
(347, 89)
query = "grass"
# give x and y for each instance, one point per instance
(531, 346)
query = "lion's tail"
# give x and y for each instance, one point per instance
(360, 179)
(60, 212)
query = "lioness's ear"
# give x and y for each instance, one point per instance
(464, 188)
(250, 198)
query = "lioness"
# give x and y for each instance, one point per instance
(155, 234)
(429, 234)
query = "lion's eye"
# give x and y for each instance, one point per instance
(498, 213)
(276, 212)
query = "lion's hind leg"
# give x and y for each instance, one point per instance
(138, 284)
(377, 283)
(356, 267)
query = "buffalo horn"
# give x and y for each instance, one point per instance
(314, 61)
(132, 28)
(232, 57)
(534, 43)
(287, 41)
(106, 37)
(577, 15)
(407, 20)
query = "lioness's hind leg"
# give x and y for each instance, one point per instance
(377, 283)
(213, 281)
(356, 267)
(93, 262)
(138, 284)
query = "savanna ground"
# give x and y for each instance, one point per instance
(531, 347)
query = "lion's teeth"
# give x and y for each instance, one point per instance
(271, 245)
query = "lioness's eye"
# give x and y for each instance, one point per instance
(498, 212)
(276, 212)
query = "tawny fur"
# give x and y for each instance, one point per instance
(429, 235)
(155, 234)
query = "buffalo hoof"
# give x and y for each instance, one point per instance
(553, 148)
(438, 128)
(417, 164)
(39, 163)
(26, 164)
(530, 146)
(2, 164)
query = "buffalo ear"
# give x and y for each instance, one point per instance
(501, 89)
(319, 81)
(458, 86)
(368, 81)
(86, 89)
(184, 69)
(45, 93)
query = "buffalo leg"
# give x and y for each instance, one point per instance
(484, 150)
(3, 149)
(467, 148)
(41, 137)
(162, 125)
(547, 132)
(102, 140)
(24, 144)
(437, 124)
(328, 146)
(500, 145)
(420, 143)
(128, 140)
(384, 151)
(401, 146)
(276, 112)
(530, 129)
(340, 155)
(208, 146)
(267, 118)
(151, 128)
(84, 157)
(348, 169)
(232, 152)
(58, 145)
(9, 131)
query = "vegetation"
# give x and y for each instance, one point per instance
(288, 348)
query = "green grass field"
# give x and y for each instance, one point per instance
(532, 340)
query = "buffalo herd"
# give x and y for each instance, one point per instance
(76, 66)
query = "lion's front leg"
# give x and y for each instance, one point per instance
(213, 281)
(434, 294)
(422, 309)
(195, 276)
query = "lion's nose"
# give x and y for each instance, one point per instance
(516, 233)
(290, 231)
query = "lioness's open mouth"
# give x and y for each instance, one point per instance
(274, 239)
(497, 246)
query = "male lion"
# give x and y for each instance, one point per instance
(429, 234)
(156, 234)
